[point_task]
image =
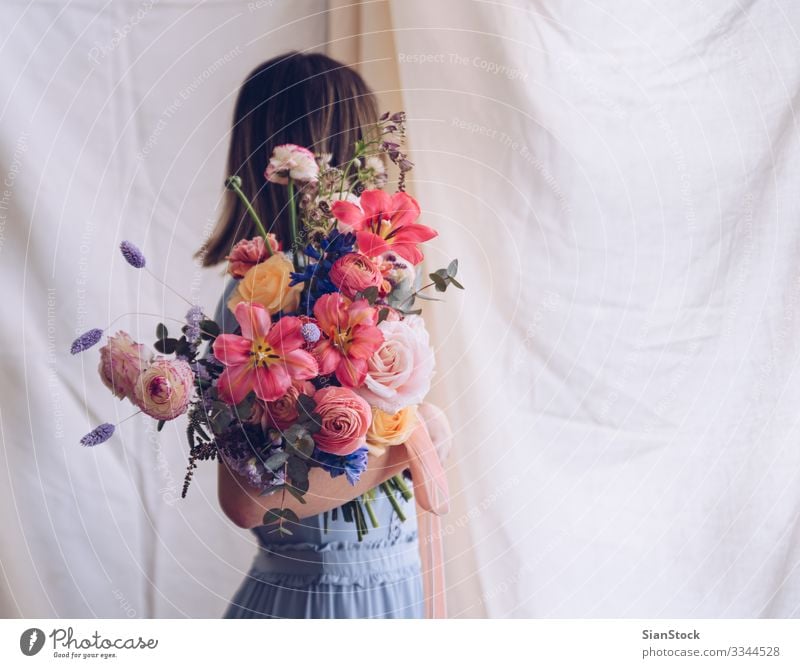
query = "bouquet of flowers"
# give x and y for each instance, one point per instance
(329, 358)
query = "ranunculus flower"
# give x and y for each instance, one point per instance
(121, 362)
(283, 413)
(350, 337)
(344, 417)
(164, 389)
(390, 429)
(385, 223)
(354, 273)
(266, 358)
(399, 372)
(267, 283)
(291, 161)
(248, 253)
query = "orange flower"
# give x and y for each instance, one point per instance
(267, 283)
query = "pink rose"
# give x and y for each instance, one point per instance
(248, 253)
(291, 161)
(354, 273)
(399, 372)
(121, 362)
(345, 418)
(283, 413)
(164, 389)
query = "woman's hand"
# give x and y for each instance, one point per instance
(438, 427)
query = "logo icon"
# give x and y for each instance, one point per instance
(31, 641)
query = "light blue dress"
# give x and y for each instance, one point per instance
(316, 574)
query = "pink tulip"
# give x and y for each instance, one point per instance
(265, 358)
(385, 223)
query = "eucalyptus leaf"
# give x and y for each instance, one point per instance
(276, 461)
(429, 299)
(210, 327)
(161, 331)
(383, 314)
(456, 283)
(296, 493)
(297, 469)
(452, 268)
(439, 281)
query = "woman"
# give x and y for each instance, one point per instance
(313, 101)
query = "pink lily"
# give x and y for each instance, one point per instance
(265, 358)
(385, 223)
(351, 337)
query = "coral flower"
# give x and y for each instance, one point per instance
(385, 223)
(265, 358)
(351, 337)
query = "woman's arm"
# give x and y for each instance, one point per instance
(245, 508)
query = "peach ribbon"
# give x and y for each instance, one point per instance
(433, 500)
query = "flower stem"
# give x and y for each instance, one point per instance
(293, 221)
(401, 485)
(234, 185)
(371, 514)
(388, 491)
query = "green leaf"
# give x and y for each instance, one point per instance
(161, 331)
(452, 268)
(273, 515)
(416, 311)
(429, 299)
(383, 314)
(439, 281)
(297, 470)
(166, 346)
(456, 283)
(306, 404)
(160, 425)
(296, 493)
(210, 327)
(370, 294)
(274, 462)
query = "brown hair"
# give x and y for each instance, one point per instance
(306, 99)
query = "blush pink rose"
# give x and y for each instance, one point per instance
(283, 412)
(121, 362)
(399, 373)
(345, 418)
(354, 273)
(250, 252)
(164, 389)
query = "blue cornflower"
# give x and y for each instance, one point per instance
(352, 465)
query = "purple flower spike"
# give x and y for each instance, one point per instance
(310, 332)
(99, 434)
(85, 341)
(133, 256)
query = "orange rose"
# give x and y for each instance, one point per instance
(267, 283)
(388, 429)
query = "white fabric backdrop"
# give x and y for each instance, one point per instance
(114, 125)
(616, 179)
